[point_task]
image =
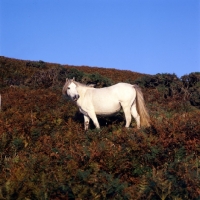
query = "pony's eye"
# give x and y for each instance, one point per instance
(68, 88)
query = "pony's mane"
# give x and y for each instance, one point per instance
(81, 84)
(69, 81)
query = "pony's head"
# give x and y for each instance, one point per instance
(70, 89)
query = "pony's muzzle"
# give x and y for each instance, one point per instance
(76, 97)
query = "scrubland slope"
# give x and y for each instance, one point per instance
(45, 153)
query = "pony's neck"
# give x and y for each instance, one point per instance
(81, 89)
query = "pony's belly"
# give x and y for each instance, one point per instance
(107, 113)
(104, 110)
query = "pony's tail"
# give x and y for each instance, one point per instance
(141, 108)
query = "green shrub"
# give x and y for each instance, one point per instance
(191, 83)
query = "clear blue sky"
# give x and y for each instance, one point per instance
(147, 36)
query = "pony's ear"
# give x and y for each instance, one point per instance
(73, 79)
(66, 79)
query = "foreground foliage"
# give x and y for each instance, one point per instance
(45, 153)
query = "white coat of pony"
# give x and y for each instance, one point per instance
(107, 101)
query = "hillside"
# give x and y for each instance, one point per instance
(46, 154)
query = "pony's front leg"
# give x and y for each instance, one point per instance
(86, 122)
(93, 116)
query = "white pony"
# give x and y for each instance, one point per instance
(107, 101)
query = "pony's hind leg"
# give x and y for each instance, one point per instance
(135, 114)
(127, 113)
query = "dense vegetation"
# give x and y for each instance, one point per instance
(45, 153)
